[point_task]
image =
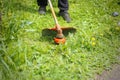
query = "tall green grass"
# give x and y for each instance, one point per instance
(27, 55)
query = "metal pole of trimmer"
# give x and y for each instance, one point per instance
(57, 26)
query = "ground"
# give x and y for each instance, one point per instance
(113, 74)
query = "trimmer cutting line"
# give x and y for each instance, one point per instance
(59, 37)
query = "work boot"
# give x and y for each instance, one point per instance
(42, 10)
(65, 16)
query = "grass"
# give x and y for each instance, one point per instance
(27, 55)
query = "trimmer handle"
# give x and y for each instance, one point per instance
(57, 26)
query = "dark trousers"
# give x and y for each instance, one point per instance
(62, 4)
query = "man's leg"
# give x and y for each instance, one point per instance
(64, 6)
(42, 6)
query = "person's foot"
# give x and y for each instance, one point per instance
(65, 16)
(42, 10)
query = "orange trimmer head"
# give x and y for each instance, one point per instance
(59, 40)
(53, 31)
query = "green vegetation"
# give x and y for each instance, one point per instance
(27, 55)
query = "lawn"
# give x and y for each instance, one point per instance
(25, 54)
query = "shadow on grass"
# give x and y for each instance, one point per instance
(48, 39)
(118, 3)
